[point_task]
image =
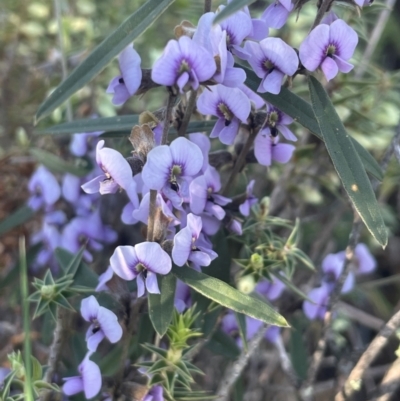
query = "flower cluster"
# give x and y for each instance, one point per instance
(332, 266)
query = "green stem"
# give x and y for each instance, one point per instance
(26, 321)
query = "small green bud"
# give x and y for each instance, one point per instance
(257, 261)
(246, 284)
(48, 291)
(264, 207)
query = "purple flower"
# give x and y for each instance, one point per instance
(235, 226)
(267, 148)
(125, 85)
(245, 207)
(230, 105)
(89, 380)
(329, 47)
(44, 189)
(90, 228)
(329, 18)
(169, 167)
(332, 266)
(104, 278)
(117, 174)
(276, 121)
(79, 143)
(203, 194)
(183, 63)
(142, 261)
(277, 13)
(214, 39)
(189, 244)
(271, 60)
(182, 299)
(154, 394)
(270, 289)
(366, 263)
(50, 238)
(104, 323)
(319, 297)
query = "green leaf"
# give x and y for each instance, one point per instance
(58, 165)
(223, 344)
(37, 370)
(302, 112)
(69, 262)
(161, 306)
(116, 123)
(116, 126)
(347, 162)
(21, 216)
(241, 321)
(228, 296)
(125, 34)
(231, 8)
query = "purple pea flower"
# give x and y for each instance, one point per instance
(332, 266)
(154, 394)
(44, 189)
(329, 47)
(125, 85)
(277, 13)
(189, 244)
(271, 60)
(214, 39)
(270, 289)
(245, 207)
(319, 297)
(117, 174)
(277, 121)
(89, 380)
(184, 63)
(104, 323)
(104, 278)
(168, 168)
(366, 263)
(182, 299)
(267, 148)
(203, 194)
(142, 261)
(79, 144)
(230, 105)
(50, 238)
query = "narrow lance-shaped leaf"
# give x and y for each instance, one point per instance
(347, 162)
(228, 296)
(232, 7)
(58, 165)
(302, 112)
(129, 30)
(21, 216)
(161, 306)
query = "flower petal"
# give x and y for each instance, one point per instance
(89, 308)
(282, 152)
(153, 257)
(109, 324)
(187, 155)
(152, 283)
(129, 63)
(344, 37)
(123, 261)
(157, 169)
(329, 68)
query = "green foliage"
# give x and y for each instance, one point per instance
(347, 162)
(161, 306)
(228, 296)
(302, 112)
(128, 31)
(231, 8)
(21, 216)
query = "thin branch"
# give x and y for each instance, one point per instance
(235, 370)
(391, 382)
(323, 8)
(188, 113)
(207, 6)
(374, 38)
(306, 389)
(240, 161)
(354, 381)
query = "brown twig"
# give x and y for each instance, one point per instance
(235, 370)
(240, 161)
(207, 6)
(188, 113)
(354, 381)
